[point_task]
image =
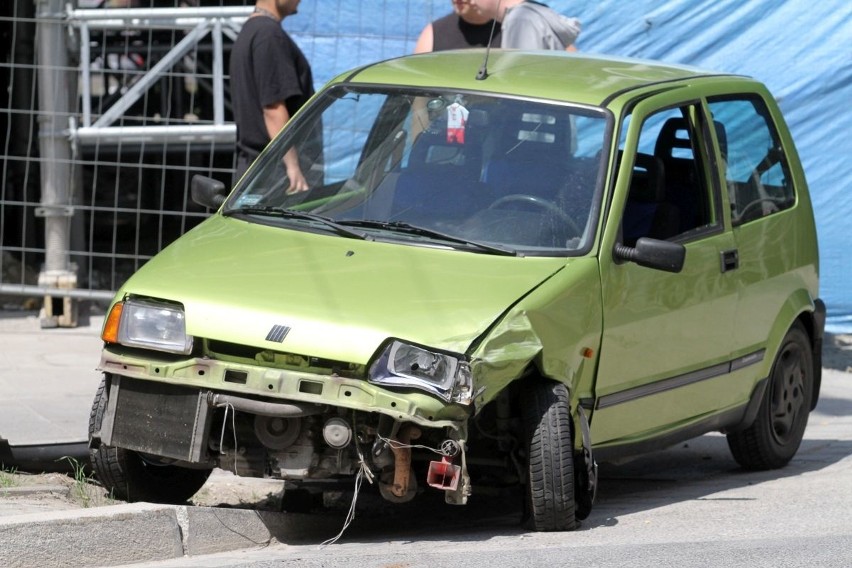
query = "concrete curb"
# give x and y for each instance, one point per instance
(135, 533)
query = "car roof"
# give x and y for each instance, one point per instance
(579, 78)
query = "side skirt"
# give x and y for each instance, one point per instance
(728, 421)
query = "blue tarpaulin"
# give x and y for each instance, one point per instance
(802, 50)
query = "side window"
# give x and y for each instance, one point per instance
(669, 192)
(756, 169)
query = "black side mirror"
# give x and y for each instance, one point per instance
(208, 192)
(653, 253)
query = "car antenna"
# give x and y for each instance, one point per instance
(483, 71)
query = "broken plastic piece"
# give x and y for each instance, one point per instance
(443, 475)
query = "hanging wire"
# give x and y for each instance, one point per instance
(447, 450)
(363, 473)
(228, 406)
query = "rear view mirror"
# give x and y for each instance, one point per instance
(208, 192)
(653, 253)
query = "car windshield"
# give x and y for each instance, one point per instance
(458, 169)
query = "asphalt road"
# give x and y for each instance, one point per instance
(687, 506)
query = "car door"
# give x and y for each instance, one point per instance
(775, 243)
(666, 348)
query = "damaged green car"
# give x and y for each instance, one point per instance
(500, 276)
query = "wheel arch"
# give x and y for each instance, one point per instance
(581, 442)
(801, 307)
(814, 324)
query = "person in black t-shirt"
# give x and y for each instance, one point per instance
(270, 80)
(465, 27)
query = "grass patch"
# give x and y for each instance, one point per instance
(81, 489)
(8, 479)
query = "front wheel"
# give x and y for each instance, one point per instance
(550, 457)
(774, 437)
(129, 476)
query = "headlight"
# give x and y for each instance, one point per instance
(404, 365)
(148, 324)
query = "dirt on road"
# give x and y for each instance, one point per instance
(25, 492)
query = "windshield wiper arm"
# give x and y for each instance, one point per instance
(293, 214)
(424, 232)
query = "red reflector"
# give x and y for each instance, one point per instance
(443, 475)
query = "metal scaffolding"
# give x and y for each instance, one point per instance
(65, 35)
(197, 23)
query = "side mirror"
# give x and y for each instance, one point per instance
(653, 253)
(208, 192)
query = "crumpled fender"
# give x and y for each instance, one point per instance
(556, 327)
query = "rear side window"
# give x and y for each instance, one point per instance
(756, 169)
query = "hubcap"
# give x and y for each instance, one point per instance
(788, 393)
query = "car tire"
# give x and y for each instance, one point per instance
(546, 413)
(126, 475)
(774, 437)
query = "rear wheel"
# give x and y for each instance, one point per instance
(550, 457)
(774, 437)
(129, 476)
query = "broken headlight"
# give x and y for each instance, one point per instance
(149, 325)
(410, 366)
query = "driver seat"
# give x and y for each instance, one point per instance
(532, 159)
(647, 213)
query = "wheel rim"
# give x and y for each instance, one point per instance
(788, 397)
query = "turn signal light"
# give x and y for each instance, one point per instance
(110, 332)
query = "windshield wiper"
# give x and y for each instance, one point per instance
(293, 214)
(424, 232)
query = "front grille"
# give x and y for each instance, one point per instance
(159, 418)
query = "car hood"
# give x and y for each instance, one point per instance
(341, 298)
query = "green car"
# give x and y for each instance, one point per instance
(506, 269)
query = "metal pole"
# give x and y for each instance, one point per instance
(200, 134)
(86, 78)
(218, 75)
(139, 18)
(54, 86)
(78, 294)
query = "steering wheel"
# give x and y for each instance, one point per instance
(753, 204)
(540, 202)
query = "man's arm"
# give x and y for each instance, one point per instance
(426, 40)
(275, 116)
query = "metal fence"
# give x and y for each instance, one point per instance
(107, 114)
(109, 107)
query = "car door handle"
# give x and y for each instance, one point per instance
(730, 260)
